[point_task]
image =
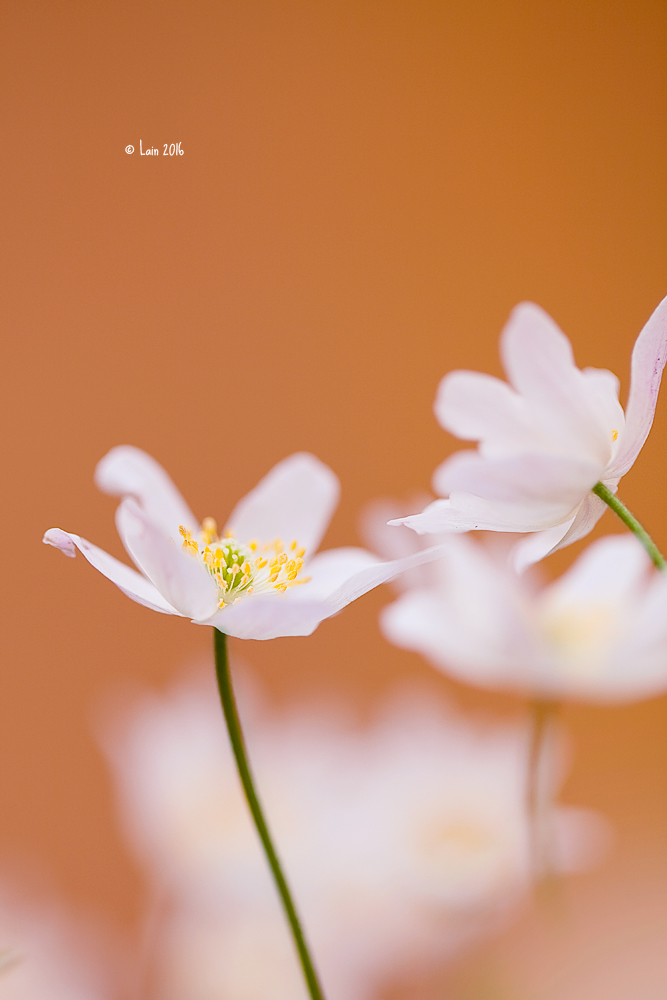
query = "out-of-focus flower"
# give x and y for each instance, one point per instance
(45, 954)
(545, 439)
(402, 843)
(598, 633)
(258, 579)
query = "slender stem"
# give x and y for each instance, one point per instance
(538, 789)
(632, 523)
(238, 746)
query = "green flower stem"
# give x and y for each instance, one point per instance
(632, 523)
(238, 746)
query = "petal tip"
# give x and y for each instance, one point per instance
(59, 539)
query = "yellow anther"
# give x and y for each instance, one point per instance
(614, 435)
(282, 587)
(282, 558)
(291, 566)
(292, 575)
(229, 534)
(252, 545)
(235, 569)
(300, 554)
(184, 531)
(278, 545)
(260, 563)
(293, 545)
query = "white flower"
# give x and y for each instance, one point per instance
(598, 633)
(402, 843)
(545, 439)
(47, 954)
(257, 579)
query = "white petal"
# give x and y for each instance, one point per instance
(610, 569)
(339, 576)
(545, 480)
(269, 617)
(537, 357)
(475, 626)
(441, 516)
(423, 622)
(294, 501)
(346, 577)
(130, 472)
(537, 546)
(133, 584)
(605, 386)
(465, 512)
(391, 542)
(648, 360)
(179, 577)
(479, 407)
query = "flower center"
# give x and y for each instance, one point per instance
(240, 568)
(580, 636)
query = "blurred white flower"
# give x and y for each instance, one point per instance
(402, 843)
(247, 582)
(45, 954)
(545, 439)
(598, 633)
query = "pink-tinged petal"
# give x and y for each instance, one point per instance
(294, 501)
(181, 579)
(133, 584)
(648, 360)
(126, 471)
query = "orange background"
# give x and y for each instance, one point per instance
(367, 188)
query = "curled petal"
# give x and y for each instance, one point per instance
(294, 501)
(126, 471)
(132, 584)
(648, 360)
(182, 580)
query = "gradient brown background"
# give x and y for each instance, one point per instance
(367, 189)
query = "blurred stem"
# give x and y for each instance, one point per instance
(630, 521)
(238, 746)
(538, 790)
